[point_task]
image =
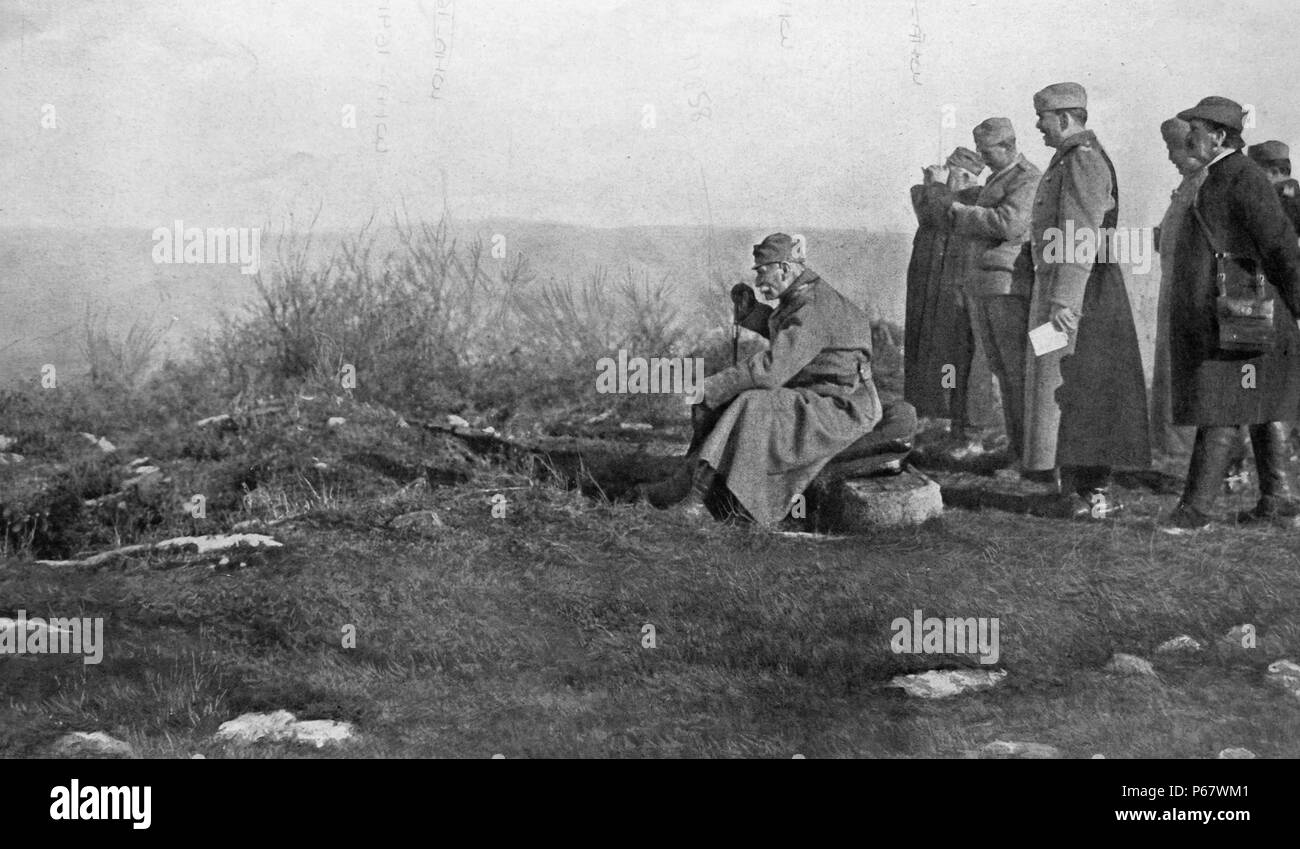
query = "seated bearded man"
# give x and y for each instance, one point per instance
(766, 427)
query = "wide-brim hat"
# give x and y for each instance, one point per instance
(1220, 110)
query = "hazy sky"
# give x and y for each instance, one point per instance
(226, 113)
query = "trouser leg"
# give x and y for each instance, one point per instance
(1211, 454)
(1272, 461)
(1003, 323)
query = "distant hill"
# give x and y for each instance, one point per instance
(48, 277)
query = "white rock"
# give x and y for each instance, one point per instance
(1017, 749)
(93, 743)
(1098, 757)
(418, 519)
(9, 458)
(942, 683)
(1129, 664)
(1234, 754)
(100, 441)
(457, 421)
(138, 461)
(6, 441)
(221, 542)
(1181, 643)
(252, 727)
(867, 504)
(335, 421)
(635, 426)
(321, 732)
(1285, 675)
(211, 420)
(280, 726)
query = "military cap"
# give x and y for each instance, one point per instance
(778, 247)
(1220, 110)
(1269, 151)
(993, 131)
(1061, 96)
(1175, 130)
(967, 159)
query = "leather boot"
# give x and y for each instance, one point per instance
(692, 477)
(1211, 454)
(1277, 502)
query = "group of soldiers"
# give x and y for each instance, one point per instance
(983, 275)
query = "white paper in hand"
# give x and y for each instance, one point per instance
(1046, 338)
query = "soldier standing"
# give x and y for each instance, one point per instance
(1085, 404)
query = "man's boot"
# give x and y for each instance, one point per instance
(1092, 497)
(692, 477)
(1277, 501)
(1211, 454)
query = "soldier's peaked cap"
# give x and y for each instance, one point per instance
(993, 131)
(1061, 96)
(778, 247)
(964, 157)
(1220, 110)
(1268, 151)
(1175, 130)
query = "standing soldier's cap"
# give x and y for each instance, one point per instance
(1175, 130)
(967, 159)
(1061, 96)
(1268, 151)
(779, 247)
(1220, 110)
(993, 131)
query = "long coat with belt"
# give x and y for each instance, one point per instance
(1085, 404)
(940, 258)
(1212, 387)
(790, 409)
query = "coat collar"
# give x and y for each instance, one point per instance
(1080, 138)
(799, 287)
(1018, 162)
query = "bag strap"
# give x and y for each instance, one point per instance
(1209, 234)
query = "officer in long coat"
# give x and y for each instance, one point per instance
(766, 427)
(998, 224)
(1215, 389)
(1167, 437)
(931, 351)
(1085, 404)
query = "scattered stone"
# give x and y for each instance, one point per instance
(635, 426)
(1098, 757)
(201, 545)
(6, 441)
(335, 421)
(420, 520)
(214, 420)
(138, 461)
(999, 749)
(942, 683)
(9, 458)
(1181, 643)
(1129, 664)
(198, 757)
(1234, 754)
(457, 421)
(281, 726)
(81, 743)
(101, 442)
(1285, 675)
(600, 418)
(866, 504)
